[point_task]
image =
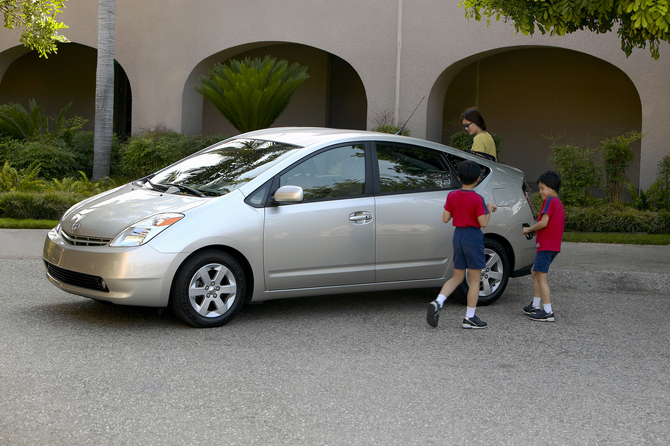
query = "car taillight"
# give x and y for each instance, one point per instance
(529, 199)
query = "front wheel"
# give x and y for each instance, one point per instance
(208, 289)
(494, 276)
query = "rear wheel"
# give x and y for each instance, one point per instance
(208, 290)
(494, 276)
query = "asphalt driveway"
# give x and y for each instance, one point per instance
(349, 369)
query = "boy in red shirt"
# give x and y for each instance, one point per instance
(470, 214)
(549, 227)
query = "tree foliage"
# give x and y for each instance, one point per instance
(253, 93)
(639, 22)
(37, 18)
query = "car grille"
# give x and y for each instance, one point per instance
(79, 240)
(75, 278)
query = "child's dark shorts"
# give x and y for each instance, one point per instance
(543, 259)
(469, 248)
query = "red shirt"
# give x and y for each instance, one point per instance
(465, 206)
(549, 238)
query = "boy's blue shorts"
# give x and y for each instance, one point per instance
(543, 259)
(469, 248)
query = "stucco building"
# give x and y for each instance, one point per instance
(366, 60)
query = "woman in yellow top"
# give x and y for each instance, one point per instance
(474, 124)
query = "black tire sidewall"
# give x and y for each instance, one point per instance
(179, 299)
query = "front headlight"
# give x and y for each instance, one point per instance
(142, 231)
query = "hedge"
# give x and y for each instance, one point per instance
(616, 219)
(37, 205)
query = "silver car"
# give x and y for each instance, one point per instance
(285, 212)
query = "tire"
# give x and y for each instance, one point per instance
(494, 277)
(208, 290)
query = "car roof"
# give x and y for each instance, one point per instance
(306, 136)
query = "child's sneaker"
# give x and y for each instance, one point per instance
(433, 313)
(542, 316)
(529, 309)
(473, 322)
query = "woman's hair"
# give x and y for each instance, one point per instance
(473, 115)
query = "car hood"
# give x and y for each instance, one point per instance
(109, 213)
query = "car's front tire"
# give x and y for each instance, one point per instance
(208, 289)
(494, 276)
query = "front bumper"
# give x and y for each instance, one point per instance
(138, 275)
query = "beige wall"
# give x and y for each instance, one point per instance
(398, 55)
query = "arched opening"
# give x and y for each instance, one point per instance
(532, 96)
(67, 76)
(333, 96)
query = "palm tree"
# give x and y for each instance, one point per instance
(104, 91)
(252, 94)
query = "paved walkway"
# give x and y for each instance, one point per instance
(28, 243)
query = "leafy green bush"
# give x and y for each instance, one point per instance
(617, 158)
(82, 186)
(37, 205)
(388, 128)
(658, 194)
(12, 179)
(56, 160)
(20, 124)
(463, 141)
(577, 170)
(150, 151)
(81, 146)
(615, 218)
(251, 94)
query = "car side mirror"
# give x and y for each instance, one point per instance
(288, 194)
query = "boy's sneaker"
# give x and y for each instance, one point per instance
(530, 309)
(433, 313)
(473, 322)
(542, 316)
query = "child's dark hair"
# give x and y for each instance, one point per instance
(551, 180)
(469, 172)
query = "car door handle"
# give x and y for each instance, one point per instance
(360, 217)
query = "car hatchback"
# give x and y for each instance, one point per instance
(285, 212)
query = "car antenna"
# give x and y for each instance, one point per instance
(410, 117)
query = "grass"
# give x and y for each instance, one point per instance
(10, 223)
(617, 237)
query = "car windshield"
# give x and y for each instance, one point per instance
(222, 168)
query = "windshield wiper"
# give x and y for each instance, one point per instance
(183, 188)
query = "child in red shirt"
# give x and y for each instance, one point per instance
(470, 213)
(549, 227)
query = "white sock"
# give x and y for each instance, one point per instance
(441, 299)
(536, 302)
(470, 312)
(547, 308)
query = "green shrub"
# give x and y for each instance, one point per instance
(37, 205)
(150, 151)
(12, 179)
(55, 160)
(658, 193)
(81, 146)
(388, 128)
(617, 158)
(81, 186)
(577, 170)
(615, 218)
